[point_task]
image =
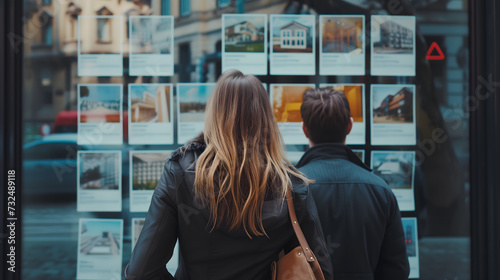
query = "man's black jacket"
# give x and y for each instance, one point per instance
(359, 214)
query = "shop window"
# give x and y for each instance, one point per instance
(185, 9)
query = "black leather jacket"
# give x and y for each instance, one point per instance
(218, 254)
(359, 214)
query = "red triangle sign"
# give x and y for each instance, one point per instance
(439, 56)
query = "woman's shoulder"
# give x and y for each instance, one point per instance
(189, 151)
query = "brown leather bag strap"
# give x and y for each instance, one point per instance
(296, 227)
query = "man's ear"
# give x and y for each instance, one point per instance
(349, 127)
(304, 128)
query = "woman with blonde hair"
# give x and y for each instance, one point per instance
(222, 195)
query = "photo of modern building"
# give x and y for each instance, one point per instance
(147, 169)
(292, 34)
(287, 100)
(395, 36)
(149, 103)
(151, 34)
(100, 103)
(244, 34)
(354, 95)
(396, 168)
(192, 101)
(100, 237)
(342, 34)
(99, 170)
(392, 105)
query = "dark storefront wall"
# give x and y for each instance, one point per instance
(455, 202)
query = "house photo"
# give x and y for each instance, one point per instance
(244, 35)
(292, 34)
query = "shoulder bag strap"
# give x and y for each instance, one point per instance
(296, 228)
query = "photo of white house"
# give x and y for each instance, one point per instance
(292, 34)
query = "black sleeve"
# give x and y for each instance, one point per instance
(393, 260)
(311, 227)
(158, 237)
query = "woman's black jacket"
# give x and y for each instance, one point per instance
(217, 254)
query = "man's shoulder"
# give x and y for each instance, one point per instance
(341, 171)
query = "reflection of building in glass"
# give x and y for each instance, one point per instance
(53, 48)
(342, 35)
(147, 170)
(394, 108)
(394, 169)
(244, 31)
(99, 171)
(394, 37)
(287, 101)
(151, 108)
(151, 35)
(294, 36)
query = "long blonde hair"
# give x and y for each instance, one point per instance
(244, 160)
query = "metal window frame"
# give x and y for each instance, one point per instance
(11, 75)
(484, 41)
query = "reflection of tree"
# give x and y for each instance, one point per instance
(90, 175)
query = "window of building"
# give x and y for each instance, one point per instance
(223, 3)
(185, 8)
(46, 22)
(104, 29)
(165, 7)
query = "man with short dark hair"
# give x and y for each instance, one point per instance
(358, 211)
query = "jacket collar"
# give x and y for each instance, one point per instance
(330, 151)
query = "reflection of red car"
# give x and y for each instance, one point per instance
(66, 121)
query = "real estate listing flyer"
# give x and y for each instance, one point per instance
(151, 45)
(99, 181)
(100, 117)
(191, 102)
(100, 246)
(293, 45)
(342, 45)
(393, 120)
(244, 41)
(286, 100)
(100, 45)
(137, 225)
(355, 94)
(397, 168)
(393, 45)
(150, 114)
(146, 169)
(411, 240)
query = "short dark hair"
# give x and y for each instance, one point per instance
(326, 115)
